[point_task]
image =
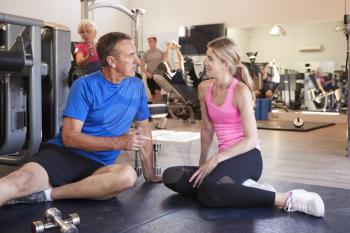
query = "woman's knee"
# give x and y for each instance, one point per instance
(177, 174)
(177, 179)
(168, 176)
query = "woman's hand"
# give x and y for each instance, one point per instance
(203, 171)
(91, 49)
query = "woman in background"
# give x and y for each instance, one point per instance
(85, 52)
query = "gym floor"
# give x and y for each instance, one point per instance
(313, 160)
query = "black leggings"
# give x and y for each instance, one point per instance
(223, 186)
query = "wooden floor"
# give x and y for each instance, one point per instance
(315, 157)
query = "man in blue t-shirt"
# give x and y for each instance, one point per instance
(79, 161)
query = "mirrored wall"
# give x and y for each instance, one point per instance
(320, 45)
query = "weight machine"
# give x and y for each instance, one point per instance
(136, 15)
(34, 65)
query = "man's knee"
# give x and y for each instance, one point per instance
(130, 176)
(125, 178)
(269, 94)
(20, 178)
(26, 175)
(119, 180)
(257, 93)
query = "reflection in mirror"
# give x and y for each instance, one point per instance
(310, 58)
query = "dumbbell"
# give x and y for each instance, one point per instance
(156, 149)
(54, 218)
(138, 168)
(156, 168)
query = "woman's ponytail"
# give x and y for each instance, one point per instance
(242, 74)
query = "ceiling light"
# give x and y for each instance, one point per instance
(277, 30)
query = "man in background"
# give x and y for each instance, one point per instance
(149, 63)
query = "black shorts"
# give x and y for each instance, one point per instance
(329, 87)
(64, 166)
(152, 85)
(268, 86)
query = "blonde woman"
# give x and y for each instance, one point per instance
(229, 177)
(85, 52)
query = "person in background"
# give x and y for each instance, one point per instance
(325, 84)
(270, 80)
(149, 63)
(85, 52)
(177, 74)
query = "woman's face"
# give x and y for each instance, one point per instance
(213, 66)
(88, 34)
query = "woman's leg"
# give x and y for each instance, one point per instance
(238, 169)
(177, 179)
(223, 186)
(234, 195)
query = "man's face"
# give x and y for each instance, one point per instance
(126, 58)
(152, 43)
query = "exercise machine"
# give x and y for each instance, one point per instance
(136, 15)
(291, 88)
(182, 100)
(34, 65)
(315, 100)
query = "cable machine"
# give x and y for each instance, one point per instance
(34, 64)
(136, 15)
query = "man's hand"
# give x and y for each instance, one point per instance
(149, 75)
(133, 141)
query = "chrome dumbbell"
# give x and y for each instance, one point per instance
(54, 219)
(156, 168)
(138, 168)
(156, 149)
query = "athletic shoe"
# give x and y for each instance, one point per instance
(259, 185)
(32, 198)
(306, 202)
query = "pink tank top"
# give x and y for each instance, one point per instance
(226, 118)
(84, 48)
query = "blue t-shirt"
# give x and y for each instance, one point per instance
(107, 110)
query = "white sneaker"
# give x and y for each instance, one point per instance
(31, 198)
(306, 202)
(259, 185)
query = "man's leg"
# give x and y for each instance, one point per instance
(269, 94)
(29, 179)
(156, 93)
(106, 182)
(257, 93)
(157, 97)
